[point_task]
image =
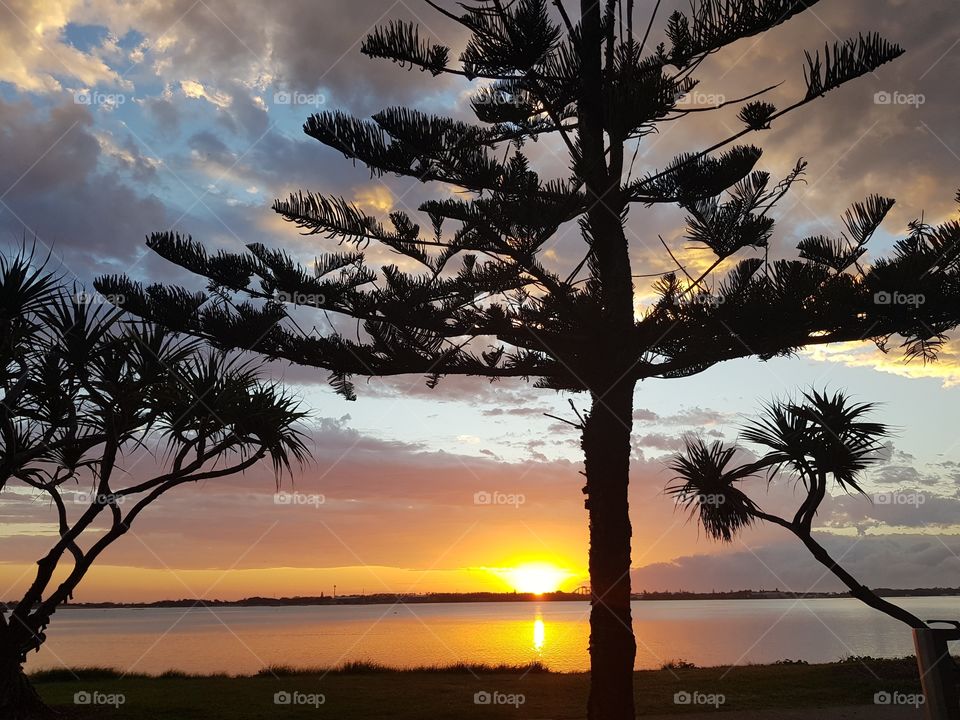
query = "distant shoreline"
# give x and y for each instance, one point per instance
(425, 598)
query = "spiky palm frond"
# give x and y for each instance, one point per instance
(712, 24)
(513, 37)
(863, 218)
(705, 486)
(840, 441)
(401, 42)
(846, 61)
(837, 254)
(786, 436)
(688, 177)
(756, 115)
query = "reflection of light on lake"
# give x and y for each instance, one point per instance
(539, 633)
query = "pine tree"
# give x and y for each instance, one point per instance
(588, 83)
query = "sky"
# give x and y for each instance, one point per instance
(118, 119)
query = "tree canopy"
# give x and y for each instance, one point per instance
(485, 303)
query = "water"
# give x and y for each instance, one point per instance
(243, 640)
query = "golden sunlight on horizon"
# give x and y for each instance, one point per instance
(535, 577)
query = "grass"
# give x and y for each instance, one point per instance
(366, 690)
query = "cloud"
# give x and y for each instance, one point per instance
(902, 561)
(946, 368)
(64, 184)
(34, 55)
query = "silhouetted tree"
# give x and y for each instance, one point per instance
(488, 303)
(82, 389)
(816, 440)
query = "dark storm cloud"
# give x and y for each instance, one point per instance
(301, 45)
(58, 186)
(901, 561)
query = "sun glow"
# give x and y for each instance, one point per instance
(537, 578)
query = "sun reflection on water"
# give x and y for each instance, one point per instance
(539, 633)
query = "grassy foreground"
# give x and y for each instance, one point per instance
(367, 691)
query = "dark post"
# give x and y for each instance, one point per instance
(938, 671)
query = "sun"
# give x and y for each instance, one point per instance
(536, 578)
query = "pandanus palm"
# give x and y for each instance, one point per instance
(82, 389)
(818, 440)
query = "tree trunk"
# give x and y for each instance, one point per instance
(606, 446)
(861, 592)
(18, 698)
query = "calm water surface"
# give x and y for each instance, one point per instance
(244, 640)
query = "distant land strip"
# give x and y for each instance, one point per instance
(420, 598)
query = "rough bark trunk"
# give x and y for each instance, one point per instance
(606, 446)
(18, 698)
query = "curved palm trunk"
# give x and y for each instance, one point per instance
(606, 446)
(861, 592)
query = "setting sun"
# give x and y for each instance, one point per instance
(535, 578)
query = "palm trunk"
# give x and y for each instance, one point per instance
(18, 698)
(606, 446)
(859, 591)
